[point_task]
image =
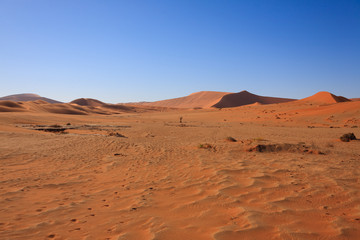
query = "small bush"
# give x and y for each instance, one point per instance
(231, 139)
(348, 137)
(205, 146)
(284, 147)
(259, 139)
(116, 134)
(55, 126)
(329, 145)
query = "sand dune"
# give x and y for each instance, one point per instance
(27, 97)
(325, 98)
(207, 99)
(204, 99)
(355, 99)
(245, 98)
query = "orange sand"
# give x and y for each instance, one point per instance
(157, 183)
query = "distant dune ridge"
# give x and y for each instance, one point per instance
(325, 98)
(28, 97)
(82, 106)
(207, 99)
(204, 99)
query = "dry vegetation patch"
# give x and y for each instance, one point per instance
(348, 137)
(284, 147)
(206, 146)
(230, 139)
(116, 134)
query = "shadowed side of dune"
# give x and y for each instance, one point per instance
(246, 98)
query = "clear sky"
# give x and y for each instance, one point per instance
(122, 51)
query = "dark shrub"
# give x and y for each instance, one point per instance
(348, 137)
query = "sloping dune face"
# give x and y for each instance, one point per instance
(325, 98)
(28, 97)
(246, 98)
(203, 99)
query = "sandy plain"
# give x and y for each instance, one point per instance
(162, 181)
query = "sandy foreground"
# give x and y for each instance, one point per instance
(162, 180)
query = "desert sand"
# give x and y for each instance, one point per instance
(260, 171)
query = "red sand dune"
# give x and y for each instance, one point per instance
(355, 99)
(325, 98)
(246, 98)
(203, 99)
(27, 97)
(207, 99)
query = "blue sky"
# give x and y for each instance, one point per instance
(121, 51)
